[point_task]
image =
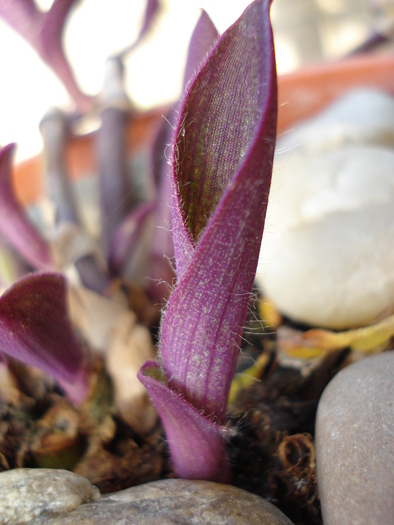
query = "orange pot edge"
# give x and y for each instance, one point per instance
(300, 95)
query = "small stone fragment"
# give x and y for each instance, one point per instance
(175, 502)
(34, 494)
(355, 444)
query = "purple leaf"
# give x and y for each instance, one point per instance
(44, 32)
(35, 329)
(225, 146)
(151, 10)
(221, 173)
(203, 38)
(202, 444)
(161, 273)
(14, 224)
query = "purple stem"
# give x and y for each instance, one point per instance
(115, 194)
(55, 132)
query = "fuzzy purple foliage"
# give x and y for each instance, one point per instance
(35, 329)
(221, 174)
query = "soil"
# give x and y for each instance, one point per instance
(272, 430)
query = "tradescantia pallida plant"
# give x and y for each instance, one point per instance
(34, 327)
(220, 177)
(221, 173)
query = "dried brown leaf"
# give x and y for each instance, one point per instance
(126, 345)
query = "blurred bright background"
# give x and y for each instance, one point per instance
(305, 31)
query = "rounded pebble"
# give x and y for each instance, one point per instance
(174, 502)
(326, 255)
(355, 444)
(26, 494)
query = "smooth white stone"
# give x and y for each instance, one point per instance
(361, 116)
(327, 256)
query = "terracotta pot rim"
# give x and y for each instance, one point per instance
(300, 95)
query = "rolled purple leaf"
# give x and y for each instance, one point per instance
(35, 329)
(126, 238)
(44, 33)
(14, 224)
(202, 41)
(222, 169)
(203, 38)
(226, 138)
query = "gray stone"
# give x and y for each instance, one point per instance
(355, 444)
(174, 502)
(30, 494)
